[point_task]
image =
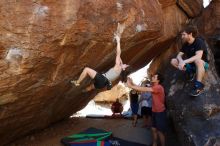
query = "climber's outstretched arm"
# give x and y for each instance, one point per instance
(118, 61)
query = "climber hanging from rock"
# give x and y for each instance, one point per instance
(195, 62)
(101, 81)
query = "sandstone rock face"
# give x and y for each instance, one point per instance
(119, 91)
(191, 8)
(209, 25)
(44, 44)
(196, 118)
(209, 22)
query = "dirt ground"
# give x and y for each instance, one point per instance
(121, 128)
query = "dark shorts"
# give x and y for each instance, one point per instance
(134, 108)
(159, 121)
(100, 81)
(146, 111)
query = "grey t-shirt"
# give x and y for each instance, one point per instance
(112, 75)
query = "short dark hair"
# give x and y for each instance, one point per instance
(160, 77)
(191, 29)
(147, 83)
(124, 74)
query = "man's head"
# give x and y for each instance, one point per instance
(189, 33)
(148, 83)
(125, 72)
(157, 78)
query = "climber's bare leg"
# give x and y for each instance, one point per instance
(86, 72)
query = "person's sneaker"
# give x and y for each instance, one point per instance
(190, 76)
(197, 92)
(74, 82)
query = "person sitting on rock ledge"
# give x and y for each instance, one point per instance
(194, 50)
(104, 80)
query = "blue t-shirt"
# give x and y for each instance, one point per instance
(146, 99)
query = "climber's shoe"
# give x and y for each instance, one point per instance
(75, 82)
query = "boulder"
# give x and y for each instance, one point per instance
(191, 8)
